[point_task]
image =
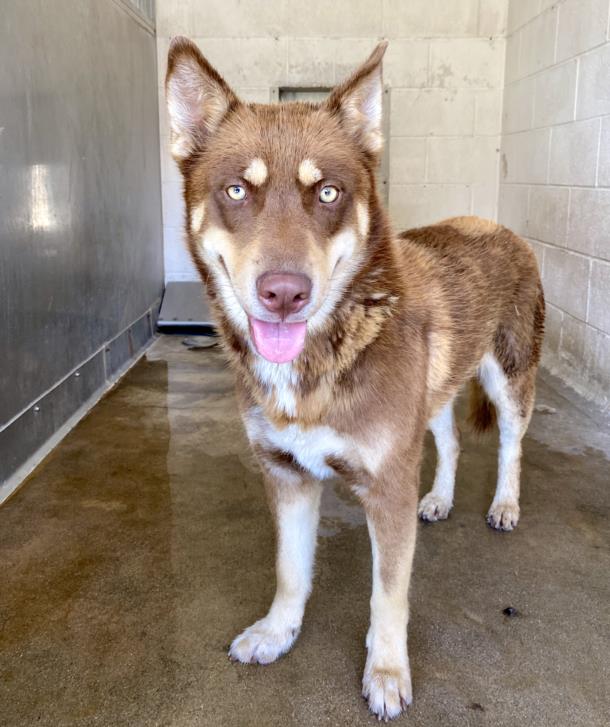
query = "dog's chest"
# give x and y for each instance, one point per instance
(281, 381)
(310, 447)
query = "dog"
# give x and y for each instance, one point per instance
(348, 341)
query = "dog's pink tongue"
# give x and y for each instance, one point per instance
(278, 342)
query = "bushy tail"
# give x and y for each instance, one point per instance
(482, 413)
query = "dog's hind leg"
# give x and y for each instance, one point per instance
(437, 504)
(513, 398)
(295, 503)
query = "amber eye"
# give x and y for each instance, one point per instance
(236, 192)
(328, 194)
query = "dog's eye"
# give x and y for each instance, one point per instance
(236, 192)
(328, 194)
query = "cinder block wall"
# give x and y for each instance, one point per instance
(555, 174)
(444, 65)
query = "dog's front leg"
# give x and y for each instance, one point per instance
(391, 509)
(295, 504)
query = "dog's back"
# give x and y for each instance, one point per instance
(491, 297)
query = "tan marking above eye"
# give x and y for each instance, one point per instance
(309, 173)
(257, 172)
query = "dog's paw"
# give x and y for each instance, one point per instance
(432, 508)
(388, 691)
(263, 642)
(503, 515)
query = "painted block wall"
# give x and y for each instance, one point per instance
(555, 174)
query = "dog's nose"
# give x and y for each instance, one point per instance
(283, 293)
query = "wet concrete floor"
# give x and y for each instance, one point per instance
(142, 545)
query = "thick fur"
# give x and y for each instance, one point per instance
(482, 413)
(397, 324)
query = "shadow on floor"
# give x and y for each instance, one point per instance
(142, 545)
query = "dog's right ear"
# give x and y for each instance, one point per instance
(197, 98)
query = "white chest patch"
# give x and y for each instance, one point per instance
(310, 447)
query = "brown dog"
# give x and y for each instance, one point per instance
(348, 341)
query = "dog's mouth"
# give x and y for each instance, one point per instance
(278, 342)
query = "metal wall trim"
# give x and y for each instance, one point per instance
(30, 436)
(135, 13)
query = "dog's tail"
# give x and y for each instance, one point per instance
(482, 413)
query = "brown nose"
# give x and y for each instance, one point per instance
(283, 293)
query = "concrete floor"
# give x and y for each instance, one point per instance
(142, 545)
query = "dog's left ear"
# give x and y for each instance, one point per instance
(358, 100)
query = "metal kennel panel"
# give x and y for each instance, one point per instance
(81, 257)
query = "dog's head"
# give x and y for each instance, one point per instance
(278, 197)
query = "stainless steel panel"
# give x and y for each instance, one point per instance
(31, 430)
(80, 200)
(80, 222)
(125, 346)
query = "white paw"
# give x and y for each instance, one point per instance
(433, 507)
(263, 642)
(503, 515)
(388, 691)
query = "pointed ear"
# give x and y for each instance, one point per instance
(197, 98)
(358, 100)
